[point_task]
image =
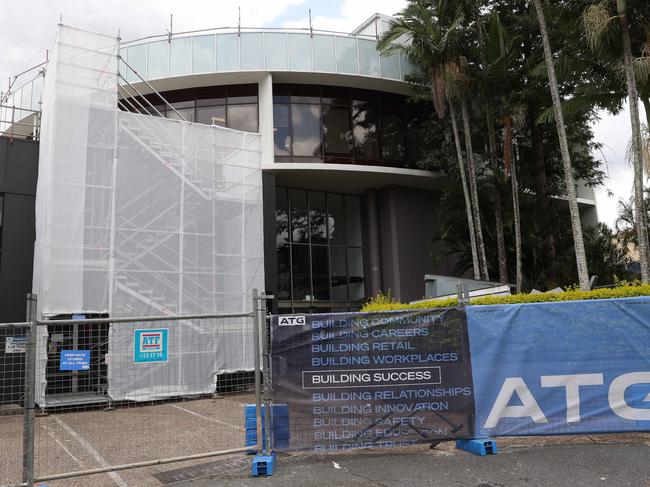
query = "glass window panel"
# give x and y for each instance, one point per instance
(346, 55)
(242, 94)
(299, 52)
(158, 62)
(406, 66)
(243, 117)
(299, 225)
(26, 97)
(353, 221)
(180, 57)
(320, 272)
(300, 272)
(204, 56)
(336, 130)
(136, 56)
(227, 52)
(281, 217)
(186, 113)
(368, 58)
(284, 272)
(317, 217)
(336, 219)
(281, 135)
(355, 274)
(37, 89)
(211, 115)
(280, 93)
(366, 141)
(335, 95)
(392, 137)
(339, 279)
(305, 120)
(324, 59)
(305, 94)
(390, 66)
(211, 95)
(252, 55)
(282, 243)
(275, 48)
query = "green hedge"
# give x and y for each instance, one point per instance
(384, 302)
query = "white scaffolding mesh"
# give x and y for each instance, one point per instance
(138, 215)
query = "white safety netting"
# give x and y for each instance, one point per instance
(138, 216)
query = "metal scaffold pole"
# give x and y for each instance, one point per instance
(30, 390)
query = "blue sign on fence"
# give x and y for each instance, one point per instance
(75, 360)
(150, 345)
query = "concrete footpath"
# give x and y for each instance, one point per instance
(596, 460)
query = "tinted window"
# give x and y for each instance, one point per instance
(305, 120)
(336, 130)
(281, 134)
(242, 117)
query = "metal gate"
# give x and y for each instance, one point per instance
(120, 394)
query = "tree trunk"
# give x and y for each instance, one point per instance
(468, 203)
(498, 205)
(544, 202)
(517, 222)
(576, 226)
(633, 100)
(473, 190)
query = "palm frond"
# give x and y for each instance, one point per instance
(578, 105)
(642, 69)
(645, 149)
(595, 21)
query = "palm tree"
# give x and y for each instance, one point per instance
(574, 211)
(596, 19)
(429, 37)
(514, 117)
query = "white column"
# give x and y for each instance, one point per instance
(265, 102)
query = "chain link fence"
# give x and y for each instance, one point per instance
(89, 395)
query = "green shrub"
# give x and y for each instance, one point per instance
(625, 290)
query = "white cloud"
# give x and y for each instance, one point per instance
(614, 132)
(350, 16)
(27, 29)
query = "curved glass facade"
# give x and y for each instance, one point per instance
(232, 106)
(262, 51)
(343, 125)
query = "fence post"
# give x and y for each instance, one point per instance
(266, 367)
(29, 429)
(258, 372)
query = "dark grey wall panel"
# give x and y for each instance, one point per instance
(17, 255)
(270, 259)
(18, 175)
(408, 219)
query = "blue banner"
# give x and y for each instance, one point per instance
(561, 368)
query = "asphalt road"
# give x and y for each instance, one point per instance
(615, 460)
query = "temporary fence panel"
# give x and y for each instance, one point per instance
(153, 360)
(13, 347)
(363, 380)
(139, 215)
(78, 437)
(561, 368)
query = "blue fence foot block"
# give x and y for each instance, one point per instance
(478, 446)
(263, 465)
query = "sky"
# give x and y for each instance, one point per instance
(27, 29)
